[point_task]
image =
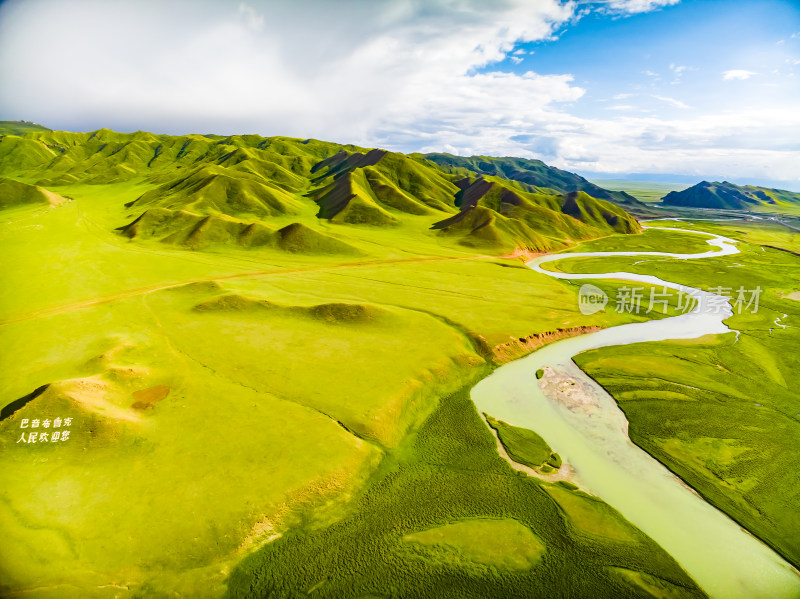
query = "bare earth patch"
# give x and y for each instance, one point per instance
(147, 398)
(574, 395)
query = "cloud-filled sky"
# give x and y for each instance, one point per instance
(700, 87)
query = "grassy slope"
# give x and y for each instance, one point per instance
(272, 417)
(20, 127)
(230, 191)
(723, 414)
(729, 196)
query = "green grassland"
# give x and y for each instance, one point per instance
(505, 544)
(590, 516)
(445, 481)
(288, 381)
(722, 411)
(525, 446)
(770, 233)
(651, 240)
(242, 364)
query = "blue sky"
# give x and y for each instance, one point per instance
(677, 53)
(697, 88)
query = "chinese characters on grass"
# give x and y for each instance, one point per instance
(637, 300)
(47, 431)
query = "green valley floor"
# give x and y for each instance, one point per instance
(260, 405)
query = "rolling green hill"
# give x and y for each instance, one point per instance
(729, 196)
(19, 127)
(532, 172)
(493, 214)
(15, 193)
(202, 191)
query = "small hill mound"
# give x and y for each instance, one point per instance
(196, 287)
(330, 313)
(485, 228)
(15, 193)
(233, 302)
(729, 196)
(300, 239)
(213, 189)
(196, 231)
(341, 313)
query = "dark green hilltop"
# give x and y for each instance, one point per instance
(729, 196)
(212, 189)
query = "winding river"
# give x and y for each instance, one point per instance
(724, 559)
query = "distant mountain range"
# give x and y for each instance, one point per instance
(250, 190)
(729, 196)
(684, 179)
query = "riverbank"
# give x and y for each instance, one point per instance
(726, 561)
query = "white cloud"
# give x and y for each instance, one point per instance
(515, 59)
(622, 96)
(678, 71)
(402, 74)
(253, 18)
(650, 73)
(638, 6)
(737, 74)
(339, 71)
(672, 101)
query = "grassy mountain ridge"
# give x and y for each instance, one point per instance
(729, 196)
(207, 190)
(532, 172)
(20, 127)
(493, 213)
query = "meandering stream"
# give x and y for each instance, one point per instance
(725, 560)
